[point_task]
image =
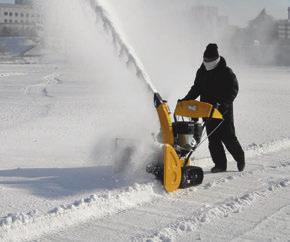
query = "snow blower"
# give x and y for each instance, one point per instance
(180, 139)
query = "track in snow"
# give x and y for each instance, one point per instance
(189, 215)
(174, 214)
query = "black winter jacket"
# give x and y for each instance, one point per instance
(219, 85)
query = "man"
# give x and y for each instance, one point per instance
(216, 84)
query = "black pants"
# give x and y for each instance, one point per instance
(223, 135)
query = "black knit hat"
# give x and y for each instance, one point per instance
(211, 51)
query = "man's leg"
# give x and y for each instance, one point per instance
(216, 147)
(232, 144)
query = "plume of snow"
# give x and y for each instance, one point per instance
(120, 42)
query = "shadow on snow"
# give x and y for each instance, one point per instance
(60, 182)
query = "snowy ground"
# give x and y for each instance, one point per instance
(59, 176)
(52, 186)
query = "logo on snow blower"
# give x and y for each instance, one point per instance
(192, 108)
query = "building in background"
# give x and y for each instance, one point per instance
(262, 29)
(283, 56)
(265, 41)
(27, 2)
(284, 28)
(19, 19)
(20, 24)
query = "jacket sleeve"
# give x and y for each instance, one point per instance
(194, 92)
(230, 92)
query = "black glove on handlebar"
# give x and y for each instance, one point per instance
(222, 107)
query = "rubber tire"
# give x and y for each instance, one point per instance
(191, 176)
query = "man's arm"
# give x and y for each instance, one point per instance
(231, 91)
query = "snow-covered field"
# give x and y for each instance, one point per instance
(62, 178)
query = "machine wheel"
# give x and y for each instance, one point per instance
(191, 176)
(157, 170)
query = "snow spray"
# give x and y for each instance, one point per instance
(125, 158)
(115, 103)
(124, 49)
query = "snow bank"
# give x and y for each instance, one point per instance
(9, 74)
(273, 146)
(33, 224)
(42, 88)
(17, 227)
(208, 213)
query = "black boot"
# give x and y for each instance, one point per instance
(217, 169)
(241, 165)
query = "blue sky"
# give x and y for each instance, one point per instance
(240, 11)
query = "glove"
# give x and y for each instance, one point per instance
(222, 107)
(183, 99)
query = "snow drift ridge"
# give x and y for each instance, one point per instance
(19, 226)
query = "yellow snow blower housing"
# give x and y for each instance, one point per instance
(180, 139)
